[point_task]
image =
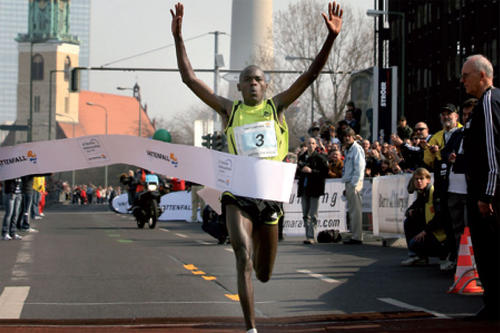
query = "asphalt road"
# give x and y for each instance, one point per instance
(97, 265)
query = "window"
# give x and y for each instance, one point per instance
(36, 106)
(67, 66)
(37, 67)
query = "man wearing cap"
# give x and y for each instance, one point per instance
(449, 120)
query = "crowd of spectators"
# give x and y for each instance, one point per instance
(409, 149)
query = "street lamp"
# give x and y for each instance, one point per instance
(72, 123)
(292, 58)
(53, 71)
(106, 132)
(137, 94)
(373, 13)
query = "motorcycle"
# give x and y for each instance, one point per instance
(146, 208)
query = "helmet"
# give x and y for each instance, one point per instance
(162, 135)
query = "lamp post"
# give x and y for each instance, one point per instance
(72, 123)
(373, 13)
(50, 99)
(106, 132)
(137, 94)
(292, 58)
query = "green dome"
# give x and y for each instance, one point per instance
(162, 135)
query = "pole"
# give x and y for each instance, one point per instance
(137, 95)
(30, 120)
(216, 69)
(50, 100)
(106, 132)
(312, 103)
(403, 58)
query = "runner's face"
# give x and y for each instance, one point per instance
(252, 85)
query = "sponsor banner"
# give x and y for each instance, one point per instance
(390, 199)
(241, 175)
(331, 212)
(176, 206)
(366, 195)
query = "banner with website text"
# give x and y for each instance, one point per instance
(241, 175)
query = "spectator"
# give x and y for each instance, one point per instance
(312, 170)
(482, 156)
(39, 187)
(90, 193)
(454, 188)
(424, 233)
(196, 201)
(403, 130)
(449, 120)
(356, 113)
(385, 168)
(351, 121)
(130, 183)
(335, 164)
(27, 190)
(13, 194)
(352, 175)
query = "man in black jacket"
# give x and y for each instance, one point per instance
(482, 156)
(312, 171)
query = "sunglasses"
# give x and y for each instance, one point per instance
(420, 129)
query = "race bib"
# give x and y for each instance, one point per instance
(256, 140)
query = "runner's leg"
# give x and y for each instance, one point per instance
(265, 245)
(240, 231)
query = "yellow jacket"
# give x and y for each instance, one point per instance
(39, 184)
(436, 139)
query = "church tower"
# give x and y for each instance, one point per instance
(46, 54)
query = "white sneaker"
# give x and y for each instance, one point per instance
(415, 260)
(17, 237)
(6, 237)
(42, 214)
(38, 217)
(447, 265)
(33, 230)
(252, 330)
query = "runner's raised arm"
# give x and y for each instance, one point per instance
(220, 104)
(333, 21)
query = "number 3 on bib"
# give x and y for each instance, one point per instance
(256, 140)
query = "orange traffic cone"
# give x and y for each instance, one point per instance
(466, 277)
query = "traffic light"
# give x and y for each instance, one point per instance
(207, 140)
(219, 142)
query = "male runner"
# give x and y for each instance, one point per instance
(255, 127)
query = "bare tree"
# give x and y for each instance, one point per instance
(299, 31)
(180, 125)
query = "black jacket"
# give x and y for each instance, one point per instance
(482, 147)
(312, 184)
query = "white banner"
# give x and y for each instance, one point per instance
(176, 206)
(241, 175)
(390, 199)
(331, 212)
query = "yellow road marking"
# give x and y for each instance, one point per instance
(209, 278)
(198, 272)
(190, 267)
(233, 297)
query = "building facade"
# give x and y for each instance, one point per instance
(439, 37)
(14, 21)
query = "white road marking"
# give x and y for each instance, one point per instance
(203, 242)
(24, 258)
(318, 276)
(12, 302)
(181, 235)
(403, 305)
(163, 229)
